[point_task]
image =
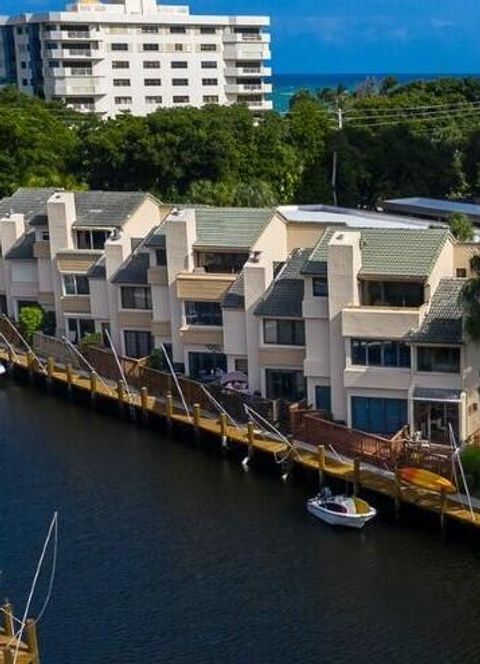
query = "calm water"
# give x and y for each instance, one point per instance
(173, 554)
(285, 85)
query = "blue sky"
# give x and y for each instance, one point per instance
(329, 36)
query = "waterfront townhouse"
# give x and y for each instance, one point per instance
(368, 327)
(136, 56)
(52, 242)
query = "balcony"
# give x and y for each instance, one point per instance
(247, 37)
(248, 88)
(203, 287)
(76, 85)
(75, 304)
(247, 51)
(201, 336)
(77, 53)
(41, 249)
(82, 35)
(235, 72)
(384, 322)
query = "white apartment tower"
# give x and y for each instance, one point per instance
(137, 56)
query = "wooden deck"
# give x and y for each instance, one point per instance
(313, 457)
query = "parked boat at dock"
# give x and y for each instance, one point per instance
(341, 510)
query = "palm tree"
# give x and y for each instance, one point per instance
(470, 297)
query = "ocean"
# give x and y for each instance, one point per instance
(285, 85)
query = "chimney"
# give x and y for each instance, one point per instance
(61, 215)
(116, 251)
(12, 227)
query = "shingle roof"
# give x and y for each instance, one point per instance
(23, 247)
(98, 271)
(157, 239)
(134, 270)
(234, 298)
(106, 208)
(31, 202)
(237, 228)
(443, 322)
(387, 252)
(285, 296)
(93, 208)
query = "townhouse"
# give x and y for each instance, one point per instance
(357, 313)
(136, 56)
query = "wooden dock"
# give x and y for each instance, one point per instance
(200, 421)
(27, 650)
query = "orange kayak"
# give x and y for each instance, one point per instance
(425, 479)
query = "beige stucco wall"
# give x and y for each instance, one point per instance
(197, 335)
(303, 235)
(235, 334)
(443, 267)
(281, 357)
(462, 253)
(379, 322)
(133, 319)
(99, 299)
(203, 287)
(75, 304)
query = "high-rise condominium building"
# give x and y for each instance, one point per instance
(136, 56)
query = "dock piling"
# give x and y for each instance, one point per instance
(144, 402)
(8, 655)
(93, 385)
(223, 431)
(443, 507)
(69, 371)
(8, 626)
(169, 410)
(196, 421)
(121, 393)
(30, 363)
(250, 441)
(50, 370)
(398, 492)
(32, 640)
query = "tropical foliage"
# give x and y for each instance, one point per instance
(390, 140)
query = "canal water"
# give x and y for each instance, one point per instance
(172, 554)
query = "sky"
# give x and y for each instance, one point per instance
(332, 36)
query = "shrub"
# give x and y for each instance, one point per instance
(31, 321)
(91, 339)
(471, 464)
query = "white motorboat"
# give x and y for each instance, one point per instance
(341, 510)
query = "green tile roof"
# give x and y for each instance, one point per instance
(388, 252)
(238, 228)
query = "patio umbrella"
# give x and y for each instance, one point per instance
(233, 377)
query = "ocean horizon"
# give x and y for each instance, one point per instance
(286, 85)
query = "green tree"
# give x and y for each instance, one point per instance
(461, 227)
(31, 320)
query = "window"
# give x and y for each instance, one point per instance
(24, 81)
(120, 64)
(209, 64)
(150, 29)
(178, 48)
(285, 384)
(53, 64)
(209, 81)
(284, 332)
(150, 47)
(377, 415)
(177, 82)
(45, 236)
(177, 30)
(323, 398)
(210, 99)
(221, 262)
(208, 47)
(151, 64)
(121, 82)
(161, 256)
(181, 99)
(123, 101)
(76, 284)
(241, 364)
(320, 286)
(3, 304)
(207, 30)
(77, 328)
(52, 46)
(136, 297)
(439, 359)
(392, 294)
(92, 239)
(153, 100)
(137, 343)
(119, 47)
(23, 65)
(380, 353)
(461, 272)
(203, 313)
(152, 82)
(179, 64)
(207, 366)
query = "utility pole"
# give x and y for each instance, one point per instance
(335, 157)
